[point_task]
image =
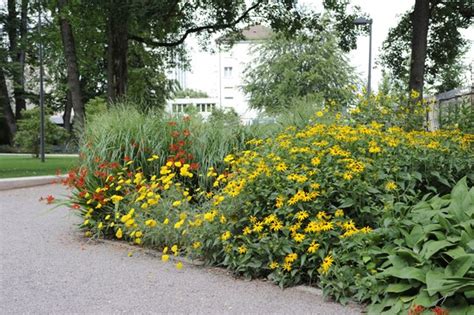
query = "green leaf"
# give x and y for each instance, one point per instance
(425, 300)
(434, 280)
(456, 252)
(459, 266)
(398, 287)
(405, 273)
(432, 247)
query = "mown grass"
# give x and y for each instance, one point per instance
(20, 166)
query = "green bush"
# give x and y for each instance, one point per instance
(422, 256)
(27, 136)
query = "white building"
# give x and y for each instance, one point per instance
(225, 79)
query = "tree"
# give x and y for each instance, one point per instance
(289, 70)
(17, 31)
(74, 85)
(429, 38)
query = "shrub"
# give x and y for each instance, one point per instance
(283, 207)
(422, 257)
(27, 136)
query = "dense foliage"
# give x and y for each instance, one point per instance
(328, 203)
(288, 70)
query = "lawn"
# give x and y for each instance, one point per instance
(19, 165)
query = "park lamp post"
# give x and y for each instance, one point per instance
(41, 93)
(364, 21)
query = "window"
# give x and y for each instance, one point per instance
(179, 108)
(227, 72)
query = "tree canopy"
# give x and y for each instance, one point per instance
(445, 44)
(308, 66)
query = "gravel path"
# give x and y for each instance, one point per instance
(47, 267)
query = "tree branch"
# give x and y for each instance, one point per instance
(213, 28)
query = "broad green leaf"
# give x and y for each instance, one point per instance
(415, 235)
(405, 273)
(434, 280)
(398, 287)
(432, 247)
(457, 252)
(459, 266)
(425, 300)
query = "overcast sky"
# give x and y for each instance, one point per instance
(385, 15)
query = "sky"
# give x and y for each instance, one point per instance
(384, 13)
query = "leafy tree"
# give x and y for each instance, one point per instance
(309, 67)
(426, 45)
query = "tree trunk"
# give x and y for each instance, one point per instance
(420, 21)
(117, 40)
(72, 67)
(14, 27)
(67, 112)
(6, 108)
(19, 92)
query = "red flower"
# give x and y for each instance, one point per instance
(174, 147)
(127, 158)
(114, 165)
(440, 311)
(49, 199)
(75, 206)
(172, 123)
(186, 118)
(194, 166)
(175, 134)
(186, 132)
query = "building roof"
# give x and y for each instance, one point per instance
(256, 32)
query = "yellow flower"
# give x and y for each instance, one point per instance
(138, 234)
(291, 257)
(366, 229)
(301, 215)
(242, 249)
(119, 233)
(319, 114)
(150, 223)
(298, 237)
(179, 265)
(138, 241)
(313, 247)
(226, 235)
(165, 250)
(273, 265)
(287, 266)
(281, 167)
(391, 185)
(196, 245)
(166, 221)
(116, 198)
(339, 213)
(279, 201)
(327, 263)
(174, 249)
(165, 258)
(107, 217)
(177, 164)
(176, 203)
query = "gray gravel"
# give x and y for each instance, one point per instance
(48, 267)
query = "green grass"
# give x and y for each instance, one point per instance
(19, 166)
